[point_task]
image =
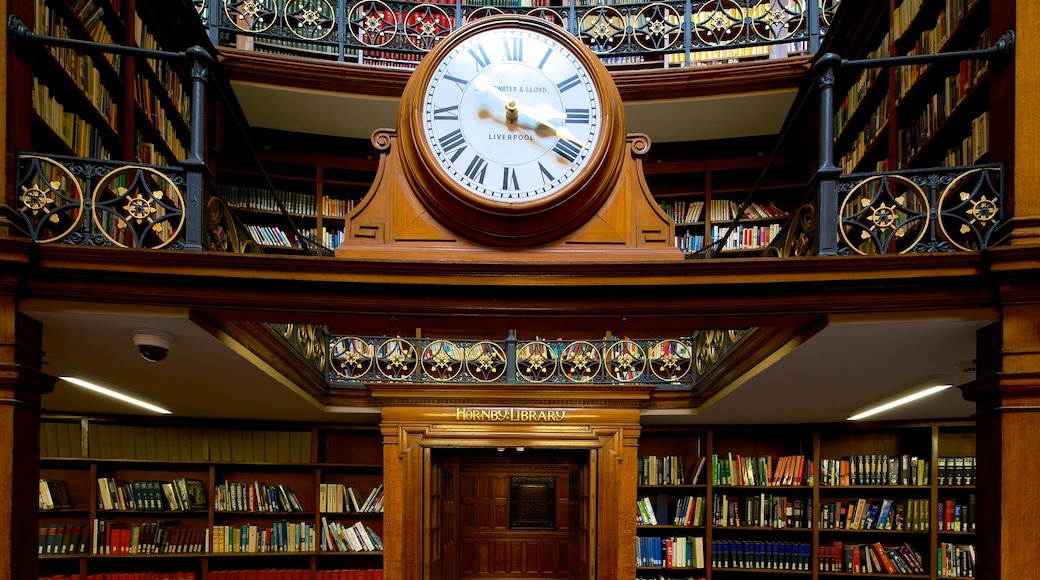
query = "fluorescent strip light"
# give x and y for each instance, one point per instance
(900, 401)
(115, 395)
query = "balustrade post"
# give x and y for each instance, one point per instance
(341, 31)
(826, 178)
(814, 10)
(511, 357)
(213, 11)
(195, 165)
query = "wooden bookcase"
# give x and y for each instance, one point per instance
(747, 522)
(105, 106)
(701, 185)
(207, 540)
(914, 116)
(319, 180)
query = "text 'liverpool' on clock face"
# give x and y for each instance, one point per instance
(511, 114)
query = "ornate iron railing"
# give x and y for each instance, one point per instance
(397, 33)
(929, 210)
(353, 361)
(102, 203)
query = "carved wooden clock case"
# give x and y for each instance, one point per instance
(510, 145)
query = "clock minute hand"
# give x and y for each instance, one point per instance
(542, 114)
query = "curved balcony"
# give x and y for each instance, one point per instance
(624, 34)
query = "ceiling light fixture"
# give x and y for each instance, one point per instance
(923, 389)
(115, 394)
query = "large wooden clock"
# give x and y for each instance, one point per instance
(510, 145)
(509, 128)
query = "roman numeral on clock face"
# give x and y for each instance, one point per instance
(567, 150)
(477, 169)
(454, 140)
(480, 56)
(452, 113)
(568, 84)
(509, 181)
(577, 116)
(514, 49)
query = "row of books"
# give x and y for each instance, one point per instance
(672, 552)
(260, 198)
(263, 574)
(153, 443)
(151, 494)
(83, 138)
(331, 206)
(158, 537)
(246, 445)
(691, 212)
(748, 554)
(690, 242)
(125, 576)
(875, 469)
(858, 92)
(690, 511)
(763, 511)
(956, 470)
(338, 498)
(357, 537)
(955, 560)
(745, 237)
(270, 236)
(283, 536)
(956, 515)
(254, 497)
(973, 147)
(868, 135)
(70, 538)
(912, 515)
(666, 470)
(870, 559)
(345, 574)
(330, 237)
(734, 469)
(61, 439)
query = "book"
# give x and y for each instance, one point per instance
(53, 494)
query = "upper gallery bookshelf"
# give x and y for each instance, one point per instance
(105, 106)
(922, 115)
(819, 501)
(317, 180)
(209, 500)
(702, 185)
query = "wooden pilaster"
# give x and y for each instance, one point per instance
(1007, 397)
(21, 386)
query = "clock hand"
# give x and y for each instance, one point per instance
(542, 114)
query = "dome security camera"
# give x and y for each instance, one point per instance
(153, 344)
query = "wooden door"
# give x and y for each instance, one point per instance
(496, 534)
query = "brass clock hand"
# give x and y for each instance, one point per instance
(541, 114)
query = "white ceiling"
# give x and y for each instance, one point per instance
(669, 120)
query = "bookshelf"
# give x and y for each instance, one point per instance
(210, 501)
(703, 191)
(105, 106)
(854, 500)
(317, 190)
(910, 117)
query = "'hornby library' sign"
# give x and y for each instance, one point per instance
(509, 414)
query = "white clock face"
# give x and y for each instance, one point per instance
(512, 115)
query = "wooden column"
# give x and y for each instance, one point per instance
(1016, 87)
(21, 386)
(1007, 397)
